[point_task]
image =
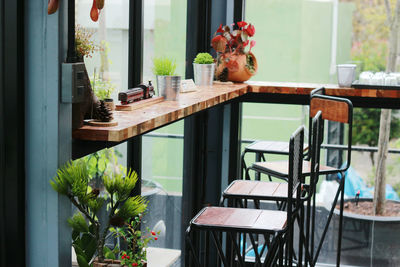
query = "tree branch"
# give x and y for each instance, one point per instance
(388, 12)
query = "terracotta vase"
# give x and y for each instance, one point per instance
(240, 66)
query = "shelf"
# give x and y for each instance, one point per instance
(136, 122)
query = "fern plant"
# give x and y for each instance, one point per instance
(73, 180)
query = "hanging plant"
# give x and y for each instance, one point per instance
(98, 5)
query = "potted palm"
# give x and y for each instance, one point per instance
(204, 68)
(168, 83)
(112, 197)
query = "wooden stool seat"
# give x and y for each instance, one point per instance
(280, 168)
(271, 147)
(241, 219)
(245, 189)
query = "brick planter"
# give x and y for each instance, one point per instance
(112, 263)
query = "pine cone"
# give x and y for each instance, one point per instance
(223, 76)
(103, 113)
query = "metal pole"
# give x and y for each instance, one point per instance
(71, 54)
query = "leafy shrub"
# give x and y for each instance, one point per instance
(204, 58)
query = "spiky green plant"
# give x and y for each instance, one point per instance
(164, 66)
(73, 180)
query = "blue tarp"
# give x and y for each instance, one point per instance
(354, 182)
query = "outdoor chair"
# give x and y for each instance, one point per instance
(336, 110)
(241, 224)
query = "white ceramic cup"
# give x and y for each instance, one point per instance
(346, 74)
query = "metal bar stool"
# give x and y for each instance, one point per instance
(243, 190)
(262, 147)
(276, 227)
(333, 109)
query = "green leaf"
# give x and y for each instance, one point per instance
(132, 207)
(108, 253)
(78, 223)
(82, 261)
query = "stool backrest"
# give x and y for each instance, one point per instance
(317, 133)
(296, 145)
(334, 109)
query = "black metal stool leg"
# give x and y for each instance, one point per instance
(339, 246)
(189, 248)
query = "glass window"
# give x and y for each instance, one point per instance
(162, 158)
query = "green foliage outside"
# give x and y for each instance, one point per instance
(203, 58)
(164, 66)
(370, 50)
(366, 127)
(94, 195)
(370, 35)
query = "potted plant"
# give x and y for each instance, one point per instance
(168, 83)
(233, 62)
(136, 241)
(103, 90)
(85, 47)
(90, 228)
(204, 68)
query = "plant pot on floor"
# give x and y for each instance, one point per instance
(204, 74)
(366, 240)
(169, 86)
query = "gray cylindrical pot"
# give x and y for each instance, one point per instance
(204, 74)
(169, 86)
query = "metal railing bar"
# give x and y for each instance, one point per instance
(249, 141)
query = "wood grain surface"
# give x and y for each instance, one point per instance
(136, 122)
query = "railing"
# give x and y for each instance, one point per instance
(249, 141)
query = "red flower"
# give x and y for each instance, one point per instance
(219, 43)
(153, 233)
(123, 256)
(251, 30)
(128, 257)
(252, 44)
(241, 24)
(155, 238)
(134, 264)
(220, 29)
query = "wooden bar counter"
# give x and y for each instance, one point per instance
(137, 122)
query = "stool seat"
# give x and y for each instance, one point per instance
(246, 189)
(280, 168)
(241, 219)
(271, 147)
